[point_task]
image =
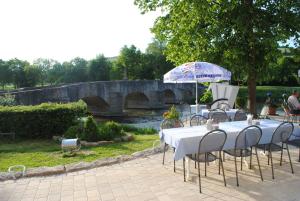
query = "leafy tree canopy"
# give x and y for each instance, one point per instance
(242, 35)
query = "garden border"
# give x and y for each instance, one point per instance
(72, 167)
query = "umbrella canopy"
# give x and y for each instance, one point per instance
(194, 72)
(197, 72)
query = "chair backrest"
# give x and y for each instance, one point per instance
(197, 120)
(248, 137)
(212, 141)
(211, 111)
(218, 117)
(171, 123)
(216, 102)
(223, 106)
(282, 132)
(240, 116)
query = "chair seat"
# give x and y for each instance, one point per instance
(238, 152)
(295, 143)
(274, 147)
(210, 157)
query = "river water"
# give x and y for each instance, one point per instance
(152, 118)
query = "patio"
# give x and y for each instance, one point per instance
(146, 179)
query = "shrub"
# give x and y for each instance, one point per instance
(111, 130)
(206, 97)
(40, 121)
(91, 131)
(7, 100)
(74, 132)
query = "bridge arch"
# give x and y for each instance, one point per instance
(96, 104)
(136, 100)
(169, 96)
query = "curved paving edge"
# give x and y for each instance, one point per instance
(60, 169)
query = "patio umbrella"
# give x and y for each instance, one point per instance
(194, 72)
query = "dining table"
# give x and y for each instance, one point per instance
(186, 140)
(230, 113)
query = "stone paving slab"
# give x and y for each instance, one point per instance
(146, 179)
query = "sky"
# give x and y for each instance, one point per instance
(65, 29)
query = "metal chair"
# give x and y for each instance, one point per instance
(218, 116)
(197, 120)
(215, 103)
(240, 116)
(166, 124)
(210, 142)
(280, 135)
(223, 106)
(295, 143)
(245, 141)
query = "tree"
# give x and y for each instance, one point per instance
(44, 65)
(240, 35)
(157, 59)
(33, 75)
(75, 70)
(98, 68)
(18, 73)
(129, 61)
(5, 73)
(55, 74)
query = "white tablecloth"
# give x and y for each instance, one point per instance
(186, 140)
(200, 108)
(230, 113)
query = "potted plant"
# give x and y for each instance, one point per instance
(172, 113)
(271, 103)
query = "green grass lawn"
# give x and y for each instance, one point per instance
(261, 91)
(37, 153)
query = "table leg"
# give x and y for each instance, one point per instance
(188, 163)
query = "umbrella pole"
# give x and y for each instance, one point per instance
(196, 97)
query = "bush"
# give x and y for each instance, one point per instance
(73, 132)
(91, 132)
(7, 100)
(206, 97)
(111, 130)
(40, 121)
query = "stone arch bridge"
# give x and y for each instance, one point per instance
(110, 97)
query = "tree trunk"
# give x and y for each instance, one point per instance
(252, 74)
(252, 91)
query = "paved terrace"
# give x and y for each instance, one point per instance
(147, 179)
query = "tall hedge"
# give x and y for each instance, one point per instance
(40, 121)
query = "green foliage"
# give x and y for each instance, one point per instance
(241, 102)
(206, 97)
(40, 121)
(138, 131)
(74, 132)
(33, 75)
(91, 131)
(172, 113)
(98, 68)
(7, 100)
(97, 132)
(243, 36)
(5, 74)
(111, 130)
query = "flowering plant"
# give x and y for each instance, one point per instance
(172, 113)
